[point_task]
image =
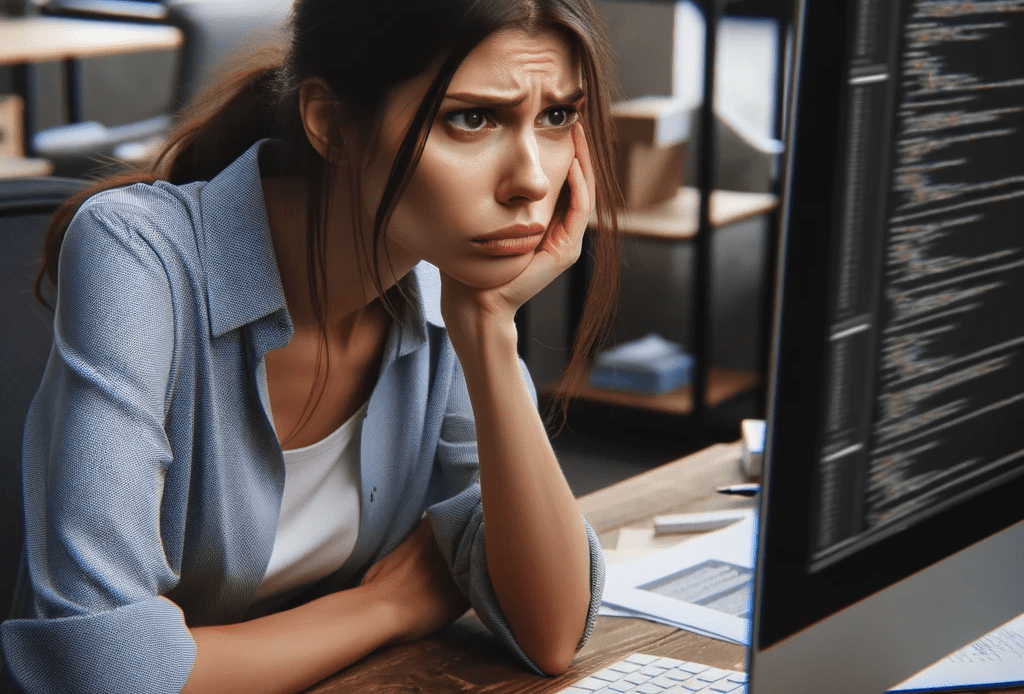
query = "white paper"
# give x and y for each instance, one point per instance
(995, 659)
(704, 584)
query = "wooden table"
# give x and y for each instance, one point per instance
(36, 39)
(43, 38)
(465, 657)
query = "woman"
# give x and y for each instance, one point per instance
(285, 392)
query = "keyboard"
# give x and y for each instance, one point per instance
(648, 674)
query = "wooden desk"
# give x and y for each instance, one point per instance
(43, 38)
(35, 39)
(465, 657)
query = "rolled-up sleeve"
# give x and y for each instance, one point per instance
(94, 460)
(458, 522)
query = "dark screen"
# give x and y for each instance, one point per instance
(895, 433)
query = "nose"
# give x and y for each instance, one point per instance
(523, 179)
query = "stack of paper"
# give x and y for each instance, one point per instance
(703, 585)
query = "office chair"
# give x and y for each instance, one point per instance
(211, 31)
(26, 334)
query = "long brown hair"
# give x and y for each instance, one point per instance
(362, 50)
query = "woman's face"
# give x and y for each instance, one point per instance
(485, 188)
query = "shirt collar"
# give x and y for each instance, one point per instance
(422, 289)
(243, 282)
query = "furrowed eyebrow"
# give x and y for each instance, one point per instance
(494, 101)
(574, 98)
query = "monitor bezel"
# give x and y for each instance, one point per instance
(790, 598)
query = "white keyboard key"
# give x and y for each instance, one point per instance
(645, 674)
(694, 668)
(680, 689)
(665, 681)
(693, 685)
(625, 666)
(640, 659)
(608, 675)
(667, 663)
(712, 674)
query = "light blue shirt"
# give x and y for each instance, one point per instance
(151, 467)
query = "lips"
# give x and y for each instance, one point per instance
(514, 240)
(513, 232)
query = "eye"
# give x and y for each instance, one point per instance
(470, 120)
(560, 116)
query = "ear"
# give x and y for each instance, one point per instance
(319, 109)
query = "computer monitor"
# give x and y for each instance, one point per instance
(892, 510)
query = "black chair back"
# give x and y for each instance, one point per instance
(26, 335)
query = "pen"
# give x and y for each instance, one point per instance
(750, 489)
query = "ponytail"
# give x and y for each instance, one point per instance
(209, 135)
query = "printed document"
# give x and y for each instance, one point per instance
(995, 659)
(703, 585)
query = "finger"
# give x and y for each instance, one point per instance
(583, 154)
(576, 218)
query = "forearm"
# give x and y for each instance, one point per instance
(538, 555)
(290, 651)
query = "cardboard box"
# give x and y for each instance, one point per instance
(653, 141)
(652, 120)
(12, 142)
(649, 174)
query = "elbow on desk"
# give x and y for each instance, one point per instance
(553, 663)
(551, 652)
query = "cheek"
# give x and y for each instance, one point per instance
(434, 209)
(447, 189)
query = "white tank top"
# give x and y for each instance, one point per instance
(319, 519)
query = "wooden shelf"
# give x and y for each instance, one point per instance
(676, 219)
(43, 38)
(723, 384)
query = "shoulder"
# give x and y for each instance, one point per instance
(161, 215)
(134, 248)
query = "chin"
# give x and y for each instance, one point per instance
(491, 273)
